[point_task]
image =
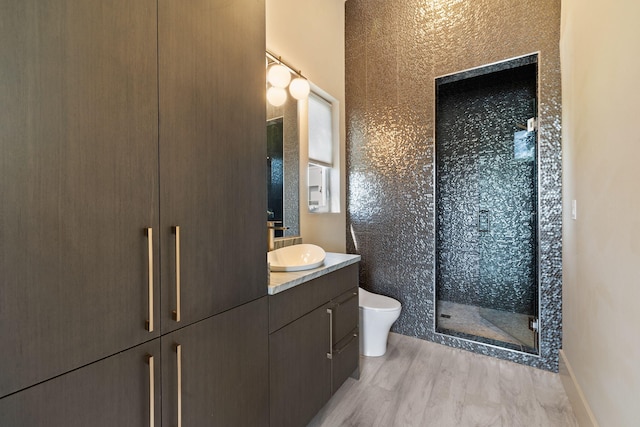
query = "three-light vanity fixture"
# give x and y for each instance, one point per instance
(279, 77)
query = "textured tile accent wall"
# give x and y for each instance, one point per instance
(282, 242)
(394, 51)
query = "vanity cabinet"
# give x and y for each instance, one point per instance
(313, 344)
(133, 199)
(116, 391)
(218, 376)
(300, 372)
(218, 370)
(345, 350)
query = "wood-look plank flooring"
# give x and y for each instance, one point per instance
(420, 383)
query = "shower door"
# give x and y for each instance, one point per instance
(486, 204)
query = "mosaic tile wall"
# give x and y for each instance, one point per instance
(394, 51)
(486, 191)
(282, 242)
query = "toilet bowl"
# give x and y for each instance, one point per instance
(377, 314)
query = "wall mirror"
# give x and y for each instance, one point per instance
(302, 129)
(283, 167)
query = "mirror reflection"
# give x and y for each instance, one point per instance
(283, 170)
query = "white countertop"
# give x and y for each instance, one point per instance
(281, 281)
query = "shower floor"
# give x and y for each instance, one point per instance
(487, 325)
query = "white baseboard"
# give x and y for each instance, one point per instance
(579, 404)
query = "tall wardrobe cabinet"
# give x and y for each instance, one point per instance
(132, 267)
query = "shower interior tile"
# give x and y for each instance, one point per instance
(467, 319)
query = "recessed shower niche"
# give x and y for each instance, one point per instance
(486, 282)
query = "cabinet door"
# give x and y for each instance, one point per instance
(218, 370)
(116, 391)
(300, 372)
(212, 155)
(78, 182)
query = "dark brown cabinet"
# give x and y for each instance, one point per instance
(218, 370)
(214, 372)
(78, 183)
(345, 350)
(212, 151)
(118, 118)
(219, 376)
(313, 345)
(300, 370)
(116, 391)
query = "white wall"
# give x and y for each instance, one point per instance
(601, 113)
(309, 34)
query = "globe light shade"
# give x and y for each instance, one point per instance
(278, 76)
(276, 96)
(299, 88)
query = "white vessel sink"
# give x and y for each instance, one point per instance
(296, 258)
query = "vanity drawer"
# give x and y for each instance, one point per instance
(345, 360)
(287, 306)
(345, 314)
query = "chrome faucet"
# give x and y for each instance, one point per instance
(271, 228)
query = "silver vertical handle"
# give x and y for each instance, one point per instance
(149, 233)
(179, 359)
(152, 394)
(330, 353)
(176, 312)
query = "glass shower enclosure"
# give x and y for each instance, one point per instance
(487, 205)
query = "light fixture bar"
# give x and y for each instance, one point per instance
(278, 59)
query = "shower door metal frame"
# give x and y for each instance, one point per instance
(447, 339)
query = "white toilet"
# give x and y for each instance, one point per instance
(377, 314)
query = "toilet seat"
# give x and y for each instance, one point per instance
(376, 302)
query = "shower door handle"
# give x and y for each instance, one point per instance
(483, 221)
